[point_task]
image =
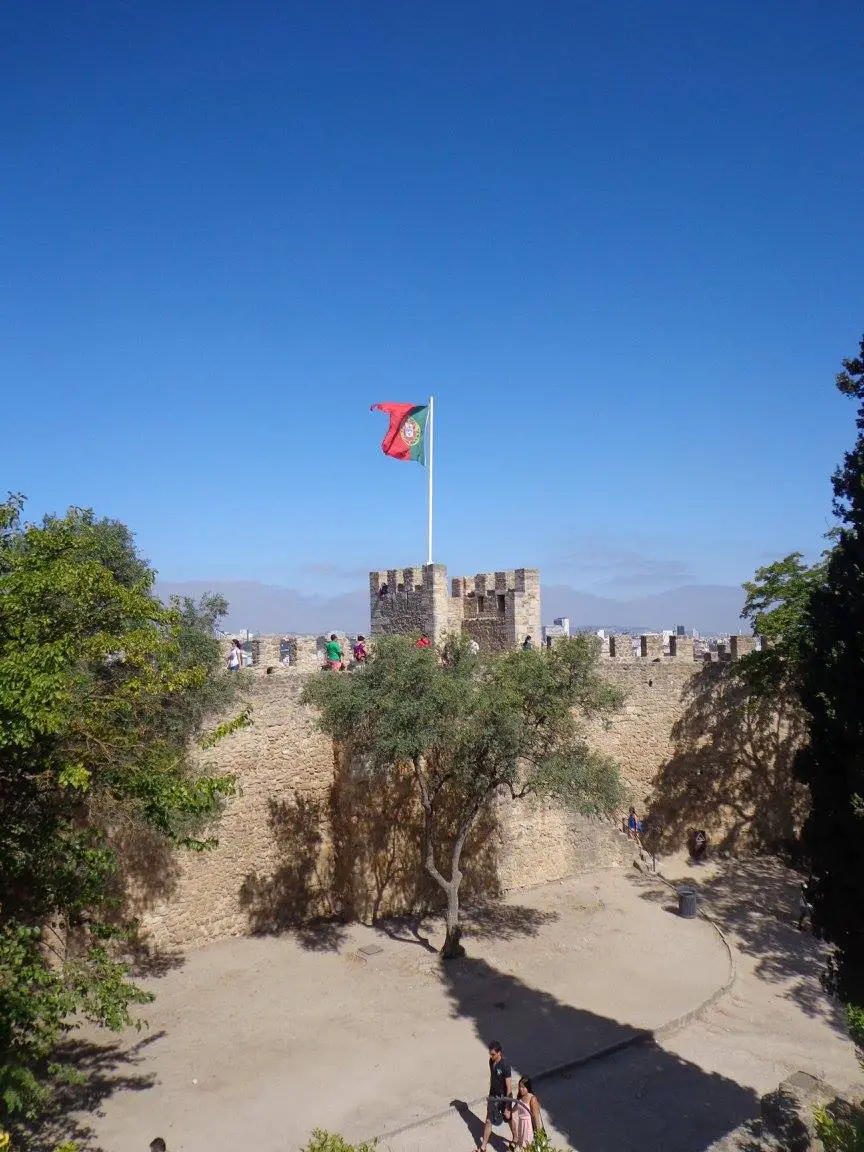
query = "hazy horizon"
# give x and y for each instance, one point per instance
(270, 608)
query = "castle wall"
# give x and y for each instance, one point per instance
(406, 600)
(308, 836)
(497, 609)
(305, 838)
(639, 737)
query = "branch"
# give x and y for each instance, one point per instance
(465, 828)
(428, 810)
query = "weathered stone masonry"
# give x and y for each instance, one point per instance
(305, 839)
(497, 609)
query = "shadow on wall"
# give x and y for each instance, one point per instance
(354, 853)
(149, 875)
(731, 771)
(644, 1097)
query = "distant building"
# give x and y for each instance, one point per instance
(560, 626)
(680, 630)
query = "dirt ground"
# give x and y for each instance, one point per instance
(252, 1043)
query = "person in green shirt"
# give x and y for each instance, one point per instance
(333, 650)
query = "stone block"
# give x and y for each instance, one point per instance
(787, 1112)
(651, 647)
(621, 646)
(681, 647)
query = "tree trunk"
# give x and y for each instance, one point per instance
(453, 949)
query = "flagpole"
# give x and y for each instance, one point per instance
(431, 463)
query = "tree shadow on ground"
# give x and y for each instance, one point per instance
(494, 921)
(644, 1097)
(500, 921)
(353, 853)
(732, 767)
(758, 901)
(106, 1069)
(406, 930)
(150, 963)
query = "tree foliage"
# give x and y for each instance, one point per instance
(832, 692)
(101, 690)
(472, 730)
(778, 599)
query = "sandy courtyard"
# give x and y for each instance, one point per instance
(253, 1042)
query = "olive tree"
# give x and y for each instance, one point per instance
(471, 730)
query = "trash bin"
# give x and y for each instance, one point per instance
(687, 902)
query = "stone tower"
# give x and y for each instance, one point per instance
(497, 609)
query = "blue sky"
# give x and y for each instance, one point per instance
(620, 243)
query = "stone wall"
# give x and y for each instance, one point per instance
(406, 600)
(306, 838)
(640, 737)
(497, 609)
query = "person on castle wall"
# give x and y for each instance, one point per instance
(527, 644)
(333, 653)
(359, 650)
(634, 825)
(236, 656)
(382, 591)
(424, 641)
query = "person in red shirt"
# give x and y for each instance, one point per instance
(424, 641)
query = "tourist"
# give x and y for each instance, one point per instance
(698, 845)
(634, 825)
(527, 644)
(235, 656)
(359, 650)
(498, 1110)
(424, 641)
(333, 650)
(157, 1145)
(527, 1118)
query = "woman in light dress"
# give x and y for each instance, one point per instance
(527, 1118)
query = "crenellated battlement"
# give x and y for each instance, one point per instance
(400, 579)
(496, 609)
(489, 583)
(649, 648)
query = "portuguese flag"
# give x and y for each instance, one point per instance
(406, 436)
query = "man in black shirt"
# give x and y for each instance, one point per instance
(500, 1090)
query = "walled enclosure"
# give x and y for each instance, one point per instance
(308, 838)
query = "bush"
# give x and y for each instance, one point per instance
(840, 1134)
(323, 1141)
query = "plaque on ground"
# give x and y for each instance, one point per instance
(370, 950)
